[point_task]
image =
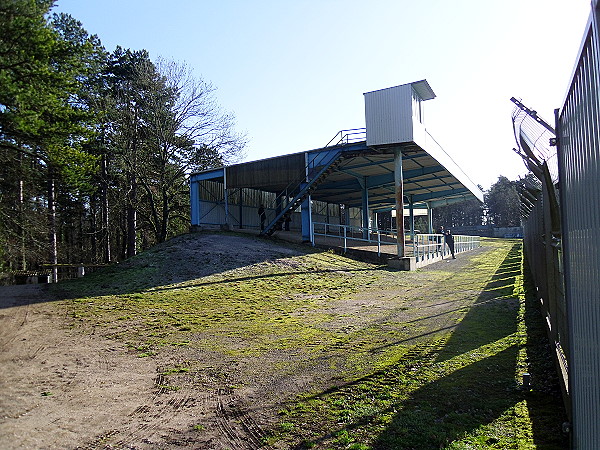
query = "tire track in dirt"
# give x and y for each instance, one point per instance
(235, 423)
(151, 421)
(181, 414)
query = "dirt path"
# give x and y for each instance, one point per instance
(60, 389)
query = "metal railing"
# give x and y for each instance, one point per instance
(68, 271)
(350, 136)
(433, 246)
(424, 247)
(347, 233)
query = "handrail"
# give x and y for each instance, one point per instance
(348, 136)
(295, 188)
(429, 246)
(346, 232)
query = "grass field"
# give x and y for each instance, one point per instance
(394, 360)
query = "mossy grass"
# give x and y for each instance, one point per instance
(448, 379)
(266, 305)
(460, 390)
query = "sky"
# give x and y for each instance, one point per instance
(293, 72)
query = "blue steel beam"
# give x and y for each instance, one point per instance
(388, 160)
(386, 179)
(370, 163)
(386, 205)
(450, 201)
(208, 175)
(446, 193)
(334, 189)
(375, 199)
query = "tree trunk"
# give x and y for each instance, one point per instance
(131, 216)
(94, 228)
(52, 225)
(132, 194)
(106, 235)
(22, 224)
(164, 225)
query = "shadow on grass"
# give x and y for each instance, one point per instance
(493, 316)
(545, 403)
(461, 389)
(477, 364)
(450, 407)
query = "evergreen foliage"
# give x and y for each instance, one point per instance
(502, 203)
(95, 146)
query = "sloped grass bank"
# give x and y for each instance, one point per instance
(427, 359)
(247, 311)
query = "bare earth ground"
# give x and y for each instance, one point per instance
(68, 387)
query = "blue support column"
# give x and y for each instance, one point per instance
(194, 203)
(399, 185)
(241, 208)
(429, 219)
(305, 210)
(226, 197)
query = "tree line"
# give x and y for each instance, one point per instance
(500, 208)
(95, 145)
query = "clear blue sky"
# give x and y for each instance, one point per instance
(293, 71)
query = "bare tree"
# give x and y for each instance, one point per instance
(188, 131)
(199, 119)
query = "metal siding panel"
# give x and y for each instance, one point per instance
(388, 115)
(273, 173)
(580, 195)
(211, 213)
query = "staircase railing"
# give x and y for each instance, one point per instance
(344, 137)
(315, 170)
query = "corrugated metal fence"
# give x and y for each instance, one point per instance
(544, 257)
(579, 174)
(560, 204)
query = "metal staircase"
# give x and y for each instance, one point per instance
(314, 173)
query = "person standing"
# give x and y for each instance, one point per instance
(440, 239)
(450, 242)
